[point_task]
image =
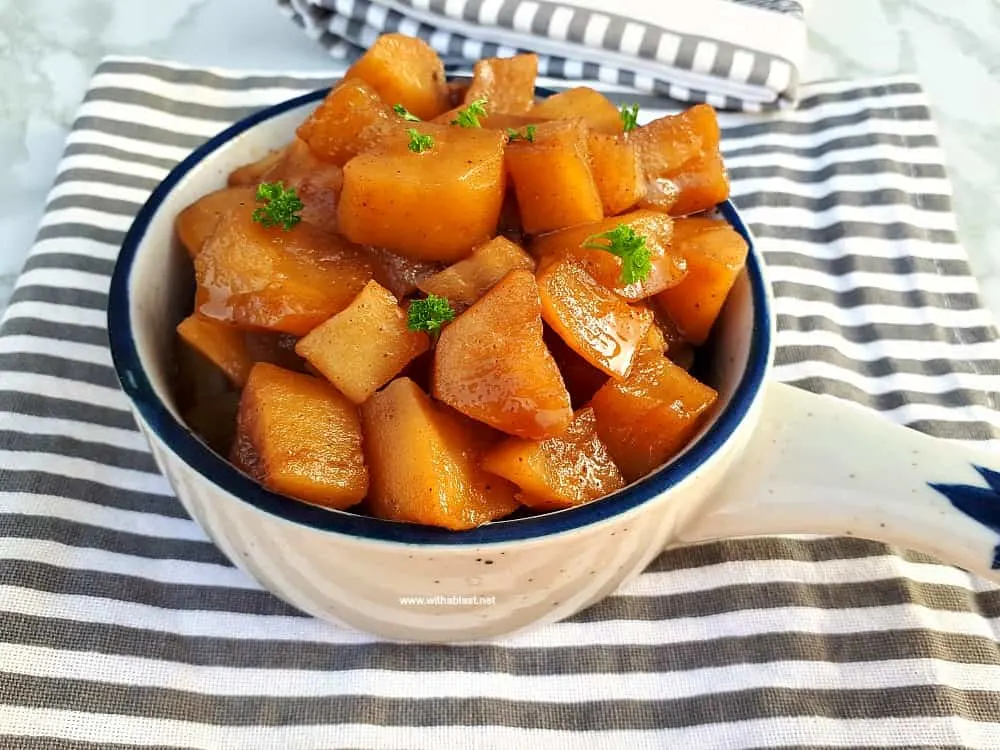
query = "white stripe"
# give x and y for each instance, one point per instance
(137, 114)
(191, 93)
(845, 85)
(838, 156)
(892, 348)
(559, 22)
(631, 38)
(82, 468)
(489, 12)
(895, 129)
(111, 164)
(145, 523)
(860, 183)
(161, 570)
(64, 278)
(133, 145)
(70, 351)
(865, 247)
(111, 729)
(524, 15)
(30, 424)
(704, 56)
(740, 623)
(56, 664)
(597, 27)
(742, 66)
(75, 188)
(898, 381)
(926, 282)
(874, 314)
(911, 413)
(76, 246)
(789, 216)
(89, 217)
(62, 388)
(846, 108)
(52, 313)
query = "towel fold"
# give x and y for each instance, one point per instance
(734, 54)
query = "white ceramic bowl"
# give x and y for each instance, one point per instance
(777, 473)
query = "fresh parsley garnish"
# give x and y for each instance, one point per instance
(282, 205)
(429, 314)
(623, 242)
(527, 135)
(630, 116)
(403, 112)
(419, 142)
(469, 117)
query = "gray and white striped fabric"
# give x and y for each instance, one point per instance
(735, 54)
(121, 625)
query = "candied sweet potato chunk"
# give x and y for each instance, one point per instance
(424, 462)
(288, 281)
(650, 416)
(617, 171)
(250, 174)
(681, 163)
(552, 179)
(317, 182)
(559, 472)
(506, 83)
(492, 365)
(435, 205)
(306, 437)
(466, 281)
(351, 119)
(596, 323)
(582, 379)
(584, 103)
(198, 221)
(668, 267)
(715, 255)
(365, 345)
(399, 274)
(223, 345)
(404, 70)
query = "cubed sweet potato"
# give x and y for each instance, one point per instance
(506, 83)
(404, 70)
(198, 221)
(668, 267)
(617, 171)
(582, 379)
(306, 437)
(595, 322)
(715, 255)
(552, 179)
(250, 174)
(650, 416)
(399, 274)
(317, 182)
(570, 469)
(584, 103)
(435, 205)
(364, 346)
(222, 344)
(466, 281)
(508, 381)
(351, 119)
(681, 163)
(281, 280)
(424, 462)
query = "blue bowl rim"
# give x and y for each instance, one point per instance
(214, 468)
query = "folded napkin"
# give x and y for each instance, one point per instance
(123, 626)
(734, 54)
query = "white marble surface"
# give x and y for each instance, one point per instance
(49, 47)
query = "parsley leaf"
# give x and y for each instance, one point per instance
(282, 205)
(527, 135)
(419, 142)
(469, 117)
(623, 242)
(429, 314)
(630, 116)
(403, 112)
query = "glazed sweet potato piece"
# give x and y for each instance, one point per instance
(617, 172)
(223, 345)
(404, 70)
(507, 381)
(305, 435)
(317, 182)
(668, 267)
(399, 274)
(214, 420)
(424, 462)
(435, 205)
(365, 345)
(650, 416)
(570, 469)
(595, 322)
(351, 119)
(506, 83)
(681, 163)
(198, 221)
(286, 281)
(583, 103)
(715, 255)
(552, 179)
(582, 379)
(251, 174)
(466, 281)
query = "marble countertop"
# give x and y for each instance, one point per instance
(48, 49)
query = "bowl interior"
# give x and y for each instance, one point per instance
(151, 293)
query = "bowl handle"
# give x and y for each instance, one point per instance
(820, 465)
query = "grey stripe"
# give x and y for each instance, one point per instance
(872, 296)
(872, 118)
(722, 67)
(73, 534)
(613, 34)
(60, 296)
(577, 30)
(73, 230)
(841, 230)
(722, 707)
(101, 453)
(139, 132)
(862, 140)
(15, 402)
(543, 17)
(97, 149)
(872, 167)
(874, 93)
(879, 197)
(650, 42)
(685, 52)
(50, 364)
(109, 206)
(759, 70)
(472, 10)
(956, 430)
(791, 7)
(867, 333)
(205, 78)
(224, 116)
(118, 179)
(505, 16)
(763, 648)
(885, 366)
(46, 329)
(99, 493)
(70, 261)
(42, 742)
(851, 263)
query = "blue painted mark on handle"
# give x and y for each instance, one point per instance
(979, 503)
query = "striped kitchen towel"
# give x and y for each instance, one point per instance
(734, 54)
(122, 626)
